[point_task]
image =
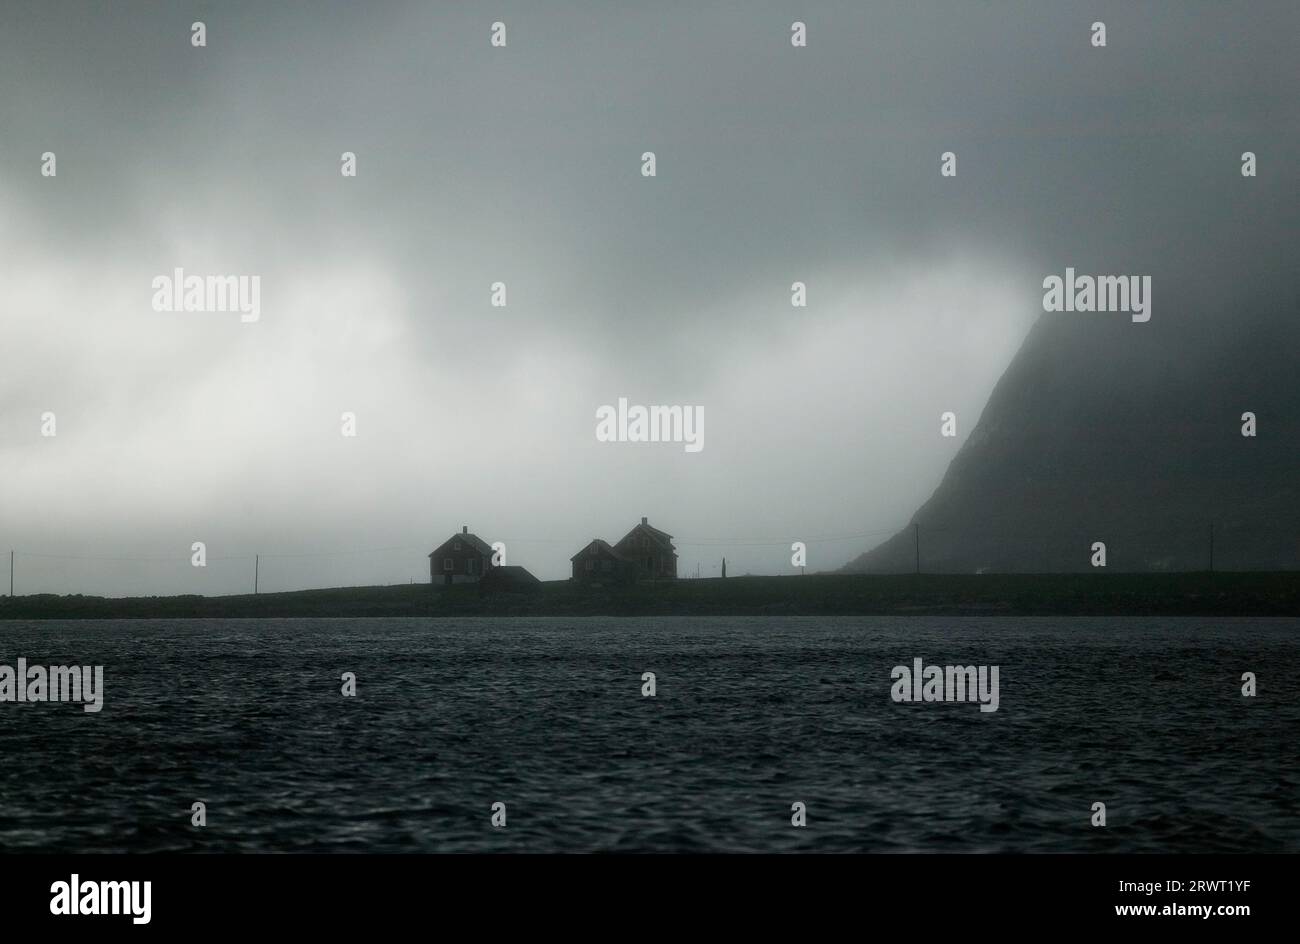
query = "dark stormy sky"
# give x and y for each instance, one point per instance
(522, 165)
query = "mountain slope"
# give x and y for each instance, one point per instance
(1129, 434)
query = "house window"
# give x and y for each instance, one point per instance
(469, 565)
(456, 546)
(448, 563)
(591, 565)
(606, 566)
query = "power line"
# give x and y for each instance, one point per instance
(184, 557)
(233, 557)
(734, 542)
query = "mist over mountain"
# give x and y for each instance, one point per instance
(1128, 434)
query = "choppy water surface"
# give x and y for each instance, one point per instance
(751, 715)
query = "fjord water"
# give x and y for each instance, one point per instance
(750, 716)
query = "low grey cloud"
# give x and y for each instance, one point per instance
(522, 165)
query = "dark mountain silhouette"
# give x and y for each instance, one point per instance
(1130, 434)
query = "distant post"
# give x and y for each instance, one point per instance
(11, 575)
(916, 529)
(257, 565)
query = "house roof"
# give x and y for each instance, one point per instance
(660, 537)
(601, 546)
(473, 540)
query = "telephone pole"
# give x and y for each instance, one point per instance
(916, 528)
(11, 575)
(257, 565)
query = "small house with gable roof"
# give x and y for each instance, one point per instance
(462, 558)
(598, 563)
(651, 552)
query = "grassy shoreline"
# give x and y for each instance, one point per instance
(1182, 594)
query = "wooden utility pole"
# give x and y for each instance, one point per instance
(257, 565)
(11, 575)
(916, 528)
